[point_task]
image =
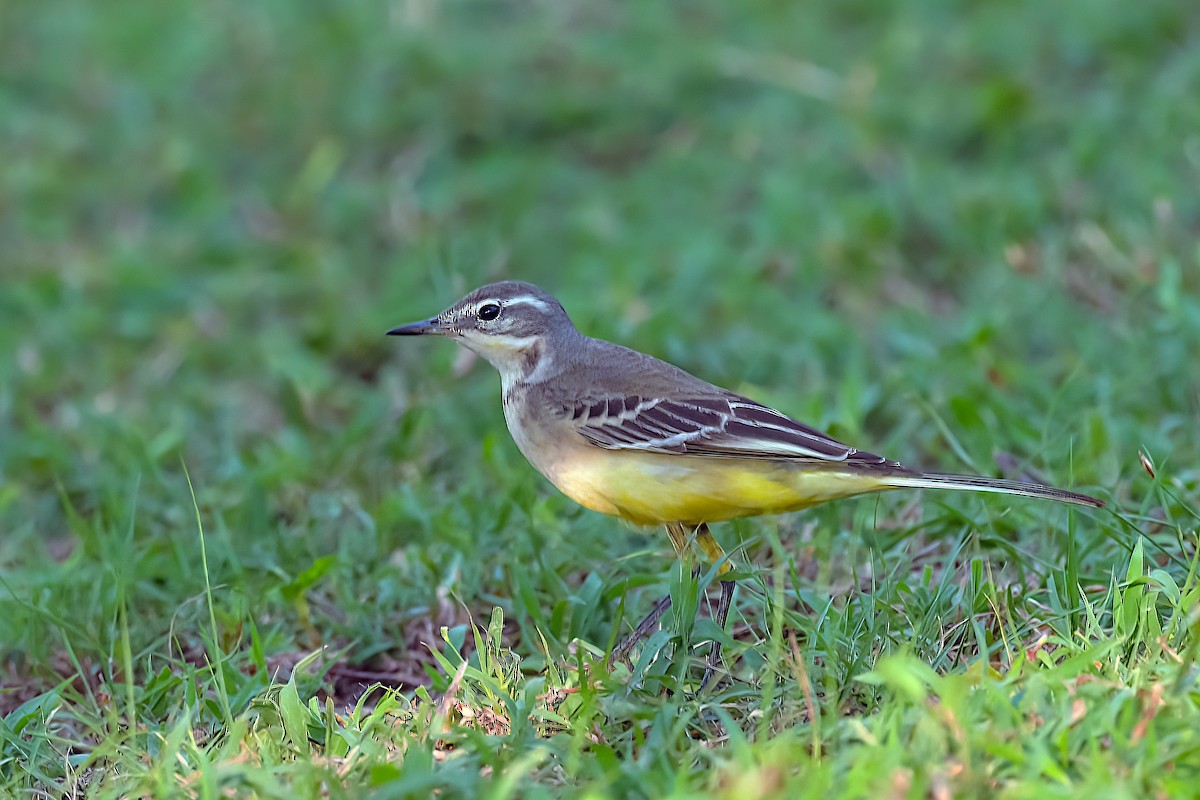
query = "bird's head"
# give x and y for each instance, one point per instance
(511, 324)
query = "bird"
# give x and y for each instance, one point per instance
(628, 435)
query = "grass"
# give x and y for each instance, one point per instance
(250, 547)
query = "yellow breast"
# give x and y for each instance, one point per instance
(655, 488)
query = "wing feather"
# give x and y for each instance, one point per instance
(709, 426)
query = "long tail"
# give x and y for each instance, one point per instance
(972, 483)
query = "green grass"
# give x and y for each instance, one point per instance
(963, 235)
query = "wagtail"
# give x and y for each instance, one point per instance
(626, 434)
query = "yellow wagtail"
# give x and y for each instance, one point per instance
(625, 434)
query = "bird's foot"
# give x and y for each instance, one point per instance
(623, 648)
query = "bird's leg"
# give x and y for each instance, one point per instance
(681, 538)
(714, 554)
(680, 535)
(644, 627)
(714, 655)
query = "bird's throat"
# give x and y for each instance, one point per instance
(519, 367)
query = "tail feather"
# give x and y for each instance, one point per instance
(972, 483)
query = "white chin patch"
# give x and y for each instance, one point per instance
(506, 353)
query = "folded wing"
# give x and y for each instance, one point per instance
(710, 426)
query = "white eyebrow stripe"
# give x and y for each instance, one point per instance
(528, 300)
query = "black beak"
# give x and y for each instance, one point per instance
(421, 328)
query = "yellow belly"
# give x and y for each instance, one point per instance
(655, 488)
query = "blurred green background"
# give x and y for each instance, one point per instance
(960, 233)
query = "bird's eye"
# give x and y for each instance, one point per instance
(488, 311)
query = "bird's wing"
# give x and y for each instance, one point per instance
(701, 425)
